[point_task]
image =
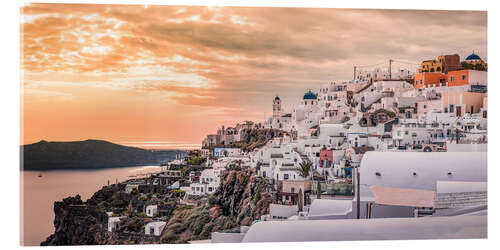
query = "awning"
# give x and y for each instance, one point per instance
(403, 197)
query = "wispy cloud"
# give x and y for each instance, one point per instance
(224, 63)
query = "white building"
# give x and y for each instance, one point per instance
(155, 228)
(399, 184)
(209, 181)
(471, 227)
(226, 152)
(113, 223)
(151, 210)
(414, 171)
(307, 114)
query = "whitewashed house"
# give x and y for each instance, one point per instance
(226, 152)
(113, 223)
(155, 228)
(151, 210)
(401, 180)
(209, 181)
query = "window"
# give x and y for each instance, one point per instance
(406, 132)
(463, 77)
(452, 78)
(420, 81)
(210, 189)
(451, 108)
(425, 106)
(285, 176)
(292, 190)
(446, 110)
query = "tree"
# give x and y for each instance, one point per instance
(305, 169)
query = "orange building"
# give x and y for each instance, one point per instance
(458, 78)
(466, 77)
(429, 79)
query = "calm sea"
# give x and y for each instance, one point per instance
(39, 193)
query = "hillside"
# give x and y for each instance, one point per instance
(241, 199)
(89, 154)
(256, 138)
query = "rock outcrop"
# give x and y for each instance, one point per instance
(241, 199)
(78, 224)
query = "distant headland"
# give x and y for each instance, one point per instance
(88, 154)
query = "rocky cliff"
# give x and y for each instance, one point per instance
(240, 199)
(78, 224)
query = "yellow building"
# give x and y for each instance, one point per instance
(431, 66)
(443, 64)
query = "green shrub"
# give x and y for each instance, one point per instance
(256, 197)
(177, 227)
(212, 200)
(117, 202)
(197, 219)
(169, 237)
(182, 207)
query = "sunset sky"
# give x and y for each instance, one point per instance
(136, 74)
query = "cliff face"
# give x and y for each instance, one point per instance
(78, 224)
(241, 198)
(243, 195)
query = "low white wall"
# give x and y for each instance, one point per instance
(453, 147)
(218, 237)
(283, 210)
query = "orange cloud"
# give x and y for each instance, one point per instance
(124, 72)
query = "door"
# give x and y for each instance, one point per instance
(459, 111)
